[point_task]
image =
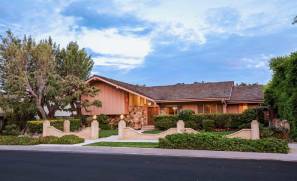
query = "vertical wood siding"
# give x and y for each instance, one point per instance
(113, 101)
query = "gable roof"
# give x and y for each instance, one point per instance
(178, 92)
(247, 93)
(195, 91)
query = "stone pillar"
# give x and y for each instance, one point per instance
(255, 131)
(66, 126)
(94, 130)
(45, 125)
(180, 126)
(121, 127)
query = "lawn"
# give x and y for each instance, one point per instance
(106, 133)
(152, 131)
(127, 144)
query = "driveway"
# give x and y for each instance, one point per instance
(49, 166)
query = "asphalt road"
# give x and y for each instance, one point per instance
(49, 166)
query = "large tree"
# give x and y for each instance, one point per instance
(53, 79)
(27, 68)
(281, 92)
(75, 66)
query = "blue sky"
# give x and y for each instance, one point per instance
(156, 42)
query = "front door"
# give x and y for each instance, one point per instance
(151, 112)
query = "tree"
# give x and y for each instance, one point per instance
(75, 65)
(281, 92)
(27, 68)
(51, 78)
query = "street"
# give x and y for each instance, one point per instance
(43, 166)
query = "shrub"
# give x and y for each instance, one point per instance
(186, 115)
(165, 122)
(36, 126)
(11, 129)
(208, 124)
(103, 122)
(14, 140)
(68, 139)
(208, 141)
(221, 121)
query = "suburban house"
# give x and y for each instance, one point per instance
(140, 103)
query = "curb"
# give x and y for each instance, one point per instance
(290, 157)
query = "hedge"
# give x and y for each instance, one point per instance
(221, 121)
(14, 140)
(209, 141)
(36, 126)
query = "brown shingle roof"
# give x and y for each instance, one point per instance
(247, 93)
(211, 90)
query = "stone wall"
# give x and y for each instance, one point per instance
(127, 133)
(86, 133)
(137, 116)
(253, 133)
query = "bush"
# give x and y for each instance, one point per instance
(208, 125)
(103, 122)
(11, 129)
(221, 121)
(36, 126)
(14, 140)
(67, 139)
(208, 141)
(165, 122)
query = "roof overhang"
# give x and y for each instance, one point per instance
(245, 101)
(191, 100)
(119, 87)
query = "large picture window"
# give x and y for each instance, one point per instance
(206, 108)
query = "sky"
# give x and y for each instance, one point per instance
(160, 42)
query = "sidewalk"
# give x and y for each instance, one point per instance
(113, 138)
(292, 156)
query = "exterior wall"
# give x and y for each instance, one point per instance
(239, 108)
(197, 107)
(233, 108)
(192, 107)
(113, 101)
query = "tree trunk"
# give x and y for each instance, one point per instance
(40, 108)
(41, 111)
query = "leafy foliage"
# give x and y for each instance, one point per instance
(208, 141)
(45, 75)
(208, 124)
(11, 129)
(14, 140)
(281, 92)
(221, 121)
(36, 126)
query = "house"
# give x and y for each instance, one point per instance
(140, 103)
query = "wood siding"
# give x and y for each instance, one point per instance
(114, 101)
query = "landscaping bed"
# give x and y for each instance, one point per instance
(127, 144)
(208, 141)
(15, 140)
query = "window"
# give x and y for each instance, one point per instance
(200, 108)
(210, 108)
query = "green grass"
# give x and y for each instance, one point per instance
(106, 133)
(152, 131)
(127, 144)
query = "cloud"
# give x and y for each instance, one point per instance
(120, 51)
(255, 62)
